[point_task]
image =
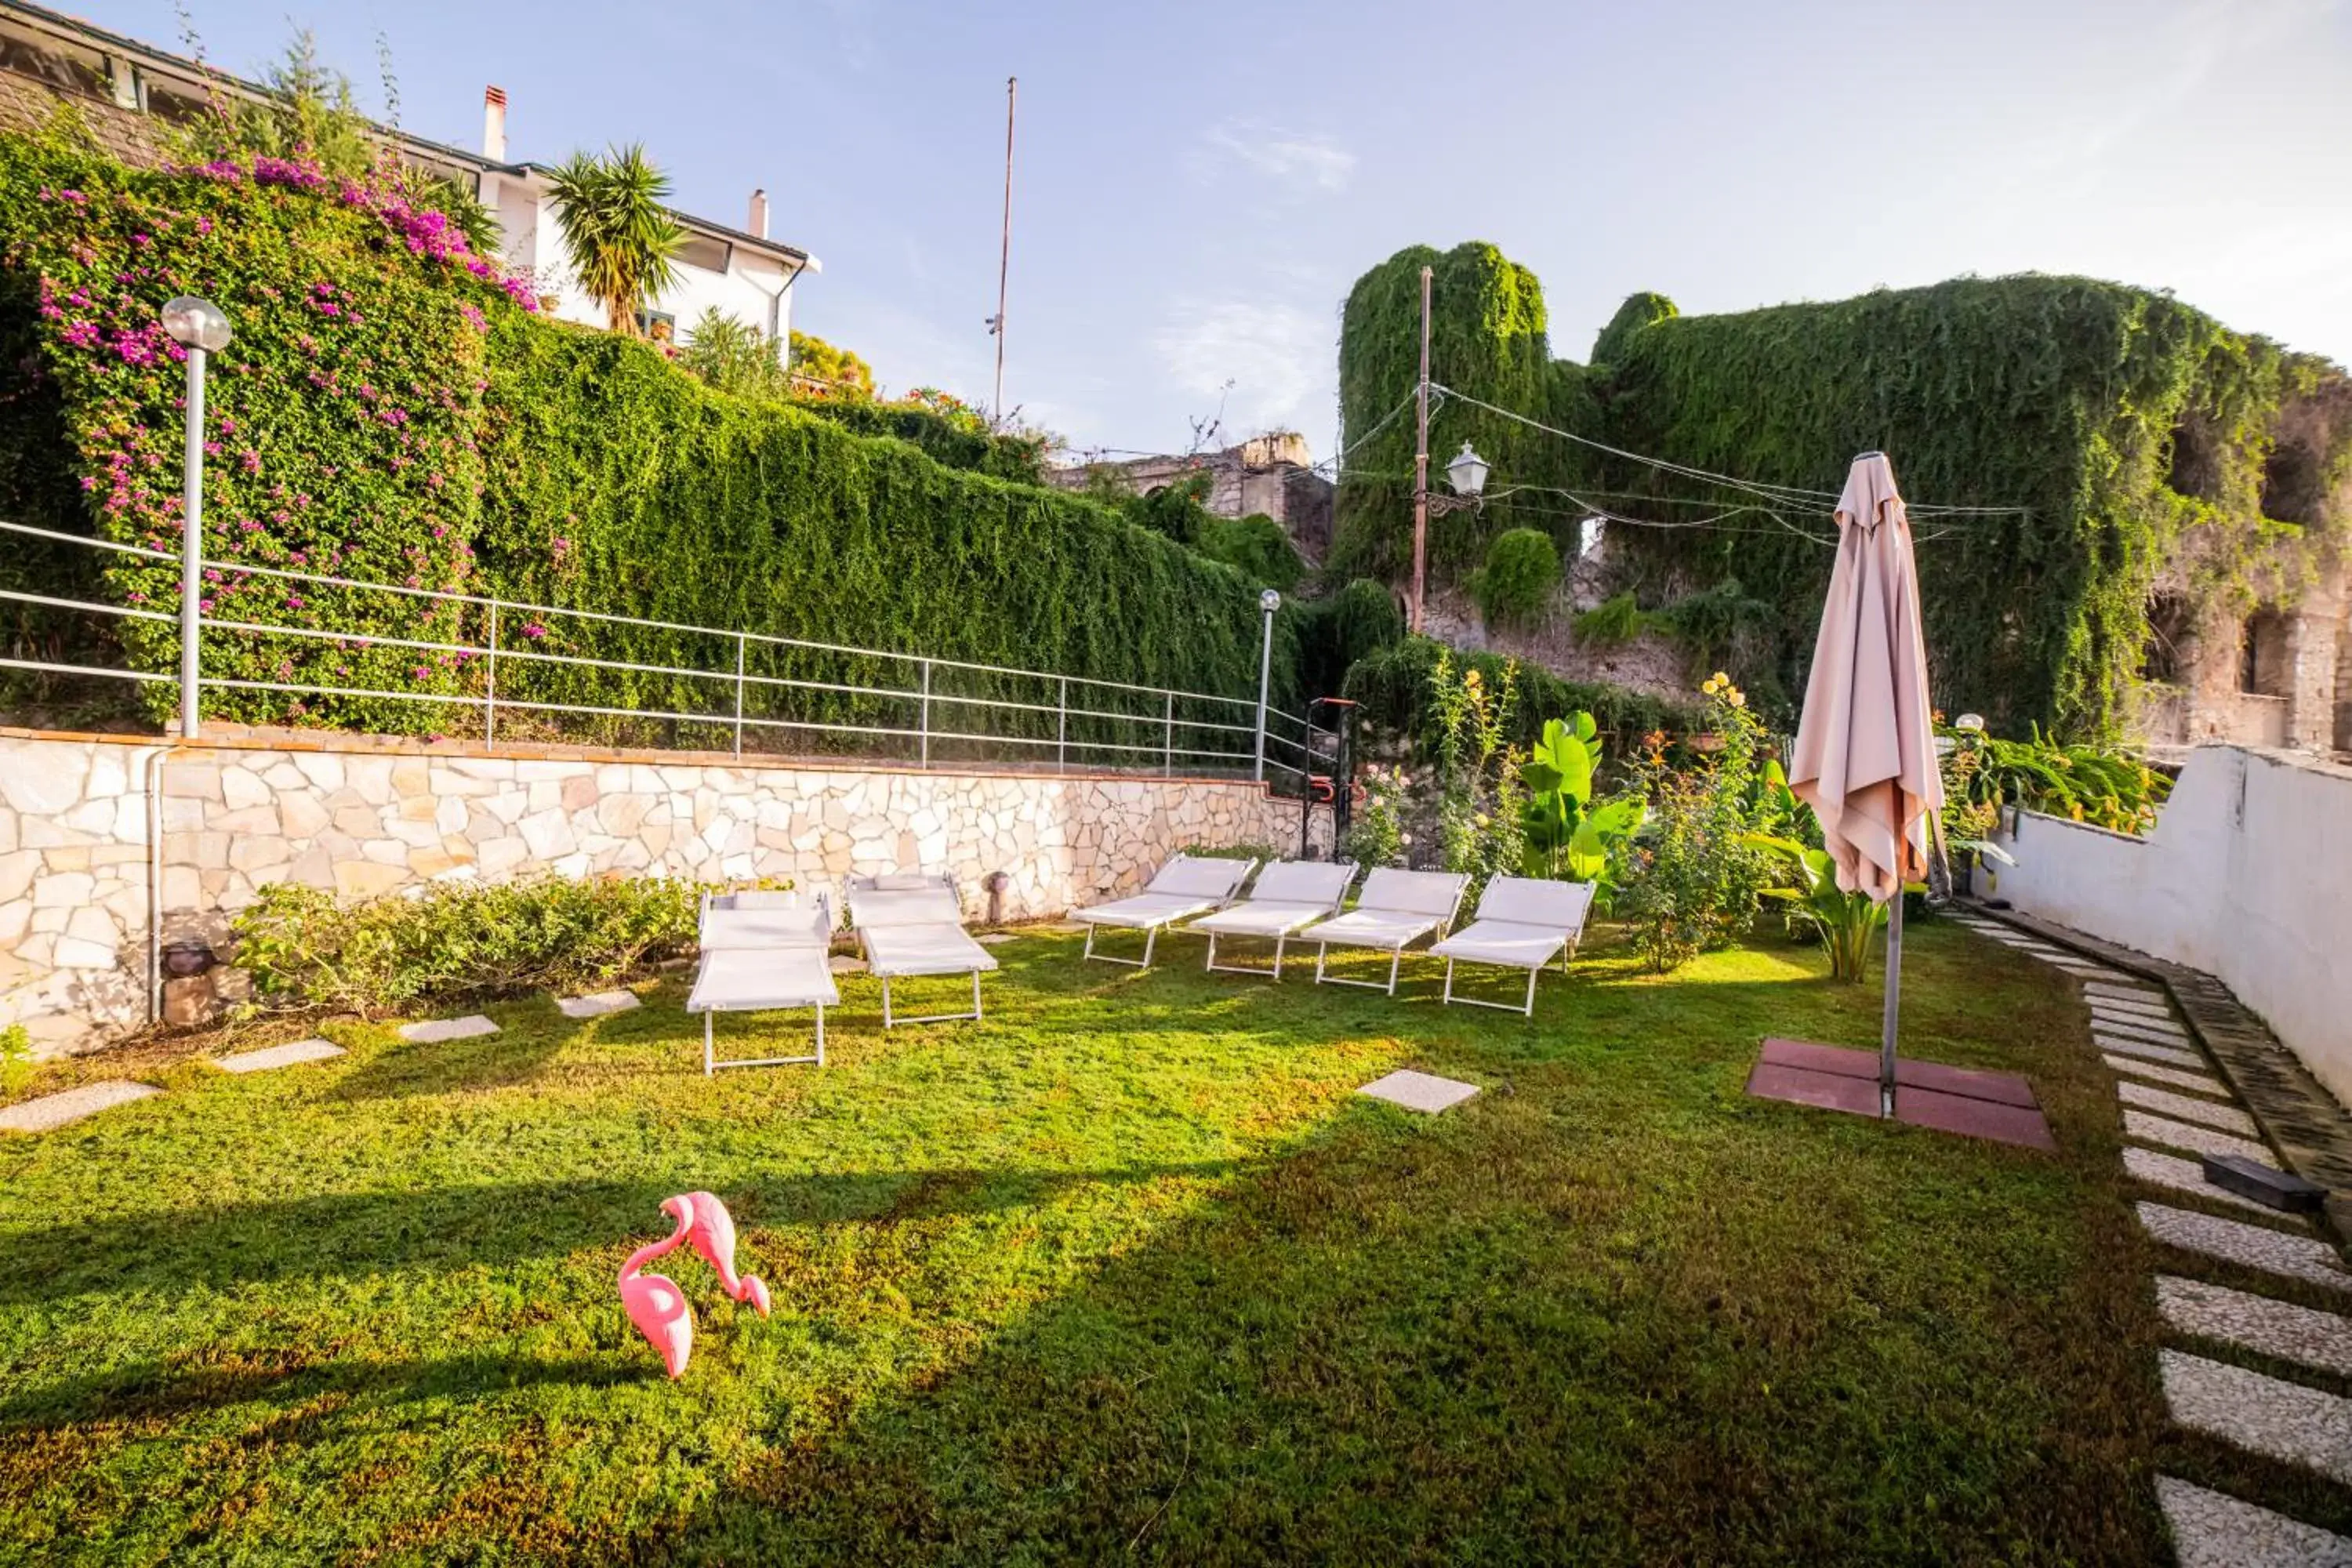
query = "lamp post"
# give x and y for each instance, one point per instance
(202, 328)
(1467, 473)
(1267, 602)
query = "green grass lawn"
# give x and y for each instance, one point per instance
(1125, 1271)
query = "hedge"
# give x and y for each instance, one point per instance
(392, 409)
(2133, 434)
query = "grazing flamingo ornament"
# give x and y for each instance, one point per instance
(712, 1234)
(655, 1303)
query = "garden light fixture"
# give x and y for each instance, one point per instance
(1467, 473)
(201, 327)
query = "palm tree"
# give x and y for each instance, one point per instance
(624, 241)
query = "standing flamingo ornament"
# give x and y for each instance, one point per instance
(655, 1303)
(712, 1235)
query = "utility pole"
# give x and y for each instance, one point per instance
(1421, 468)
(1004, 255)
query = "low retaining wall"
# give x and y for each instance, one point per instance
(76, 814)
(2247, 876)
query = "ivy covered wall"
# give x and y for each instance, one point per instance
(392, 409)
(2137, 436)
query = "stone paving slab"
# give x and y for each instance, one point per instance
(2300, 1257)
(2227, 1118)
(2203, 1083)
(2258, 1323)
(2214, 1531)
(67, 1106)
(846, 964)
(2116, 1006)
(2146, 1050)
(596, 1004)
(2267, 1416)
(287, 1056)
(2150, 1128)
(2149, 1029)
(1419, 1091)
(2186, 1176)
(435, 1030)
(995, 938)
(2121, 990)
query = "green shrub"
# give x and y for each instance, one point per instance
(15, 1059)
(1614, 620)
(1695, 874)
(1375, 835)
(452, 939)
(1257, 547)
(1392, 684)
(1335, 632)
(1522, 568)
(390, 411)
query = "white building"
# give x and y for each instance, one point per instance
(128, 93)
(741, 272)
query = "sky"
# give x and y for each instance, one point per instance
(1196, 187)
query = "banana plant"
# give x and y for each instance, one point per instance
(1563, 834)
(1846, 920)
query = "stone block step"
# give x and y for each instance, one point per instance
(433, 1030)
(2150, 1128)
(2267, 1416)
(2187, 1108)
(2210, 1530)
(2256, 1246)
(2203, 1083)
(2185, 1176)
(272, 1057)
(68, 1106)
(2258, 1323)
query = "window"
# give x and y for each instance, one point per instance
(2170, 627)
(2262, 655)
(661, 326)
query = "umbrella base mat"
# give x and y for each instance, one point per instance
(1994, 1105)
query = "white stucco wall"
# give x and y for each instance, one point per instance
(533, 238)
(2247, 875)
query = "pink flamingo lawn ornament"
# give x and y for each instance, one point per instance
(712, 1235)
(655, 1303)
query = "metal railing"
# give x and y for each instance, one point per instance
(1141, 728)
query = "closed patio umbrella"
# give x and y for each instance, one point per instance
(1865, 754)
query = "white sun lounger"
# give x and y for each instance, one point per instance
(1395, 909)
(1287, 895)
(1188, 885)
(763, 952)
(1522, 923)
(913, 924)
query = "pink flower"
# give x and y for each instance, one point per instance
(293, 601)
(533, 630)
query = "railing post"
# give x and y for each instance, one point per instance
(742, 645)
(490, 708)
(926, 725)
(1168, 755)
(1062, 730)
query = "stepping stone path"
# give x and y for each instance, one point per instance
(2161, 1170)
(2203, 1083)
(2210, 1531)
(846, 963)
(2226, 1117)
(51, 1112)
(596, 1004)
(2267, 1416)
(995, 938)
(2151, 1129)
(2248, 1246)
(287, 1055)
(435, 1030)
(2146, 1050)
(1419, 1091)
(2154, 1031)
(2279, 1329)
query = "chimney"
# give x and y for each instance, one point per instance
(758, 227)
(494, 124)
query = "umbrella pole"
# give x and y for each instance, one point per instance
(1894, 1004)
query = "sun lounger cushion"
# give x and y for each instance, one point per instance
(1145, 909)
(729, 923)
(1382, 929)
(1537, 902)
(932, 949)
(1200, 876)
(1501, 942)
(1319, 882)
(1437, 894)
(732, 980)
(1260, 917)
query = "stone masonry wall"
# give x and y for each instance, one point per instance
(75, 811)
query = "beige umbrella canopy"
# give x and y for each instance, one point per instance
(1865, 754)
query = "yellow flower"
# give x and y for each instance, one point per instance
(1708, 686)
(1739, 699)
(1721, 679)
